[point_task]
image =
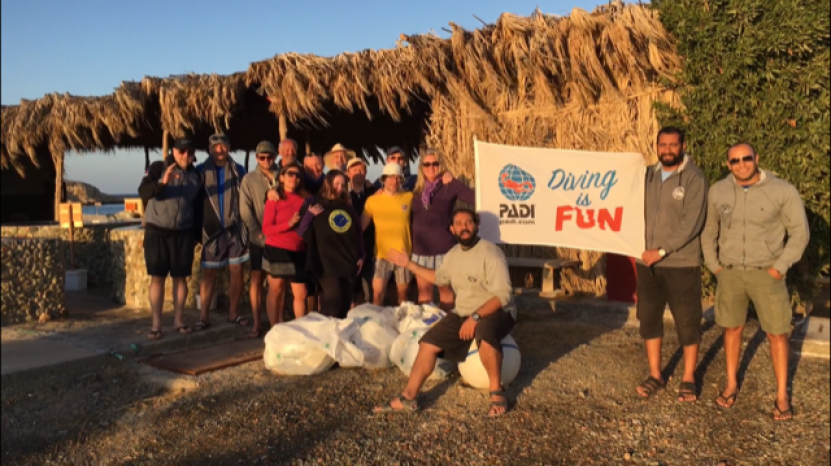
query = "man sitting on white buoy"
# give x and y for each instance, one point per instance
(477, 272)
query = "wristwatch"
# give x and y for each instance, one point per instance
(475, 316)
(662, 252)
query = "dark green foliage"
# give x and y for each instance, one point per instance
(757, 71)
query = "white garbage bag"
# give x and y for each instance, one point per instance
(385, 316)
(311, 345)
(417, 317)
(374, 339)
(405, 349)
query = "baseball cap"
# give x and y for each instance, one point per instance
(355, 161)
(392, 169)
(184, 144)
(393, 150)
(218, 138)
(266, 147)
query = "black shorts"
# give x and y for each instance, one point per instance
(445, 334)
(282, 263)
(256, 254)
(168, 253)
(680, 287)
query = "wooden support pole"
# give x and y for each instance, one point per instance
(71, 238)
(308, 137)
(57, 159)
(146, 158)
(165, 138)
(247, 155)
(284, 127)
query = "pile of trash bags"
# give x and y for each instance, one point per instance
(370, 336)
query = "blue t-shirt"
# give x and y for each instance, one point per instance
(220, 191)
(665, 174)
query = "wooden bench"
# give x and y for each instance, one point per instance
(549, 272)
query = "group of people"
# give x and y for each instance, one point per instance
(335, 232)
(317, 226)
(750, 228)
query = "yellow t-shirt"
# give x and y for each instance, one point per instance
(391, 215)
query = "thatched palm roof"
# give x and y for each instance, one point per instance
(542, 59)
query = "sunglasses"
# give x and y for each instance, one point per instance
(292, 174)
(266, 157)
(430, 164)
(746, 158)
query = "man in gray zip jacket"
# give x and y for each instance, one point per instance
(252, 204)
(756, 230)
(172, 191)
(669, 271)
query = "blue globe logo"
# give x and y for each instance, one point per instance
(516, 184)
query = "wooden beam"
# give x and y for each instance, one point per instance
(57, 159)
(165, 138)
(247, 155)
(308, 137)
(146, 158)
(284, 127)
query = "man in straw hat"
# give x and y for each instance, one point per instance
(395, 154)
(338, 157)
(390, 209)
(224, 236)
(253, 191)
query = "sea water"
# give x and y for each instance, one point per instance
(107, 209)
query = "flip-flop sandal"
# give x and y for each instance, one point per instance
(239, 321)
(183, 330)
(687, 389)
(782, 416)
(408, 406)
(254, 334)
(154, 335)
(651, 386)
(201, 325)
(726, 402)
(503, 403)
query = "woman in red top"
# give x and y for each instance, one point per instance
(284, 255)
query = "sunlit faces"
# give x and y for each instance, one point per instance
(290, 179)
(392, 183)
(431, 167)
(219, 151)
(339, 183)
(313, 165)
(266, 160)
(464, 228)
(357, 174)
(288, 151)
(743, 162)
(339, 159)
(397, 157)
(183, 157)
(671, 149)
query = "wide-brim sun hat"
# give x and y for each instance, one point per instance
(327, 158)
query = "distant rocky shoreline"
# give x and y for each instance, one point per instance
(85, 193)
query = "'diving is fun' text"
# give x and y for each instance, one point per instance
(589, 218)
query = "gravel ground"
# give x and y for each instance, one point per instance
(574, 403)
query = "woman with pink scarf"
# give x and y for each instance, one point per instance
(434, 199)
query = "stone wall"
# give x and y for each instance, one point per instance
(131, 282)
(91, 245)
(32, 279)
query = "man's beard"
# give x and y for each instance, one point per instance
(676, 160)
(470, 240)
(749, 177)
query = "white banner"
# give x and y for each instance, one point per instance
(566, 198)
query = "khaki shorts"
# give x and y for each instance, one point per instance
(737, 288)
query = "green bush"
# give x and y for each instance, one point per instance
(758, 71)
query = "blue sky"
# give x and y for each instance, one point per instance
(87, 47)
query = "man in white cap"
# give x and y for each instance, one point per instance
(338, 157)
(390, 210)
